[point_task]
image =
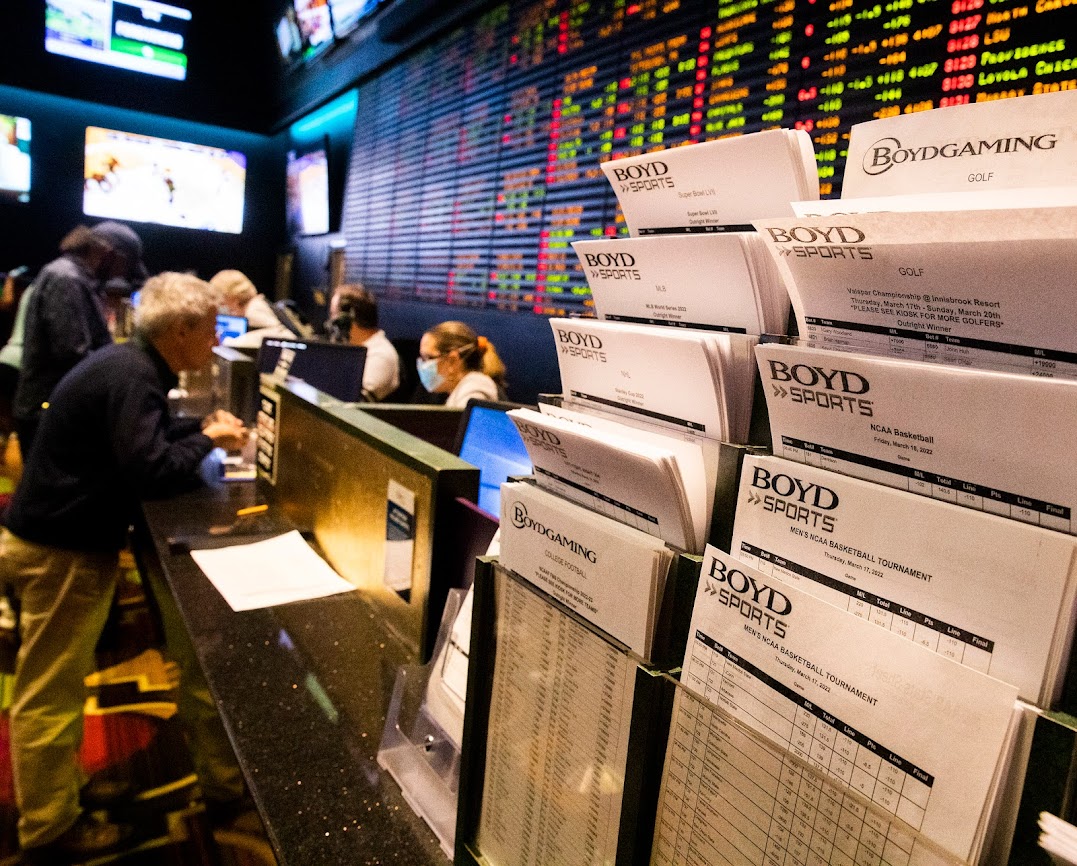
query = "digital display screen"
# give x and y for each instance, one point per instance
(308, 193)
(347, 14)
(14, 158)
(488, 141)
(315, 25)
(333, 368)
(157, 180)
(493, 444)
(230, 326)
(139, 35)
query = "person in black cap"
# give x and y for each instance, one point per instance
(65, 320)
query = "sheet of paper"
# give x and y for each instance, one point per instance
(268, 573)
(713, 283)
(992, 441)
(916, 733)
(697, 456)
(732, 797)
(399, 536)
(632, 482)
(1024, 142)
(993, 594)
(629, 370)
(713, 185)
(557, 746)
(974, 288)
(610, 574)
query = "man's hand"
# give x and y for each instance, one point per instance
(220, 416)
(229, 435)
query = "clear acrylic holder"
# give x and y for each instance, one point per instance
(415, 749)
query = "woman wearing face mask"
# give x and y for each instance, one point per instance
(454, 360)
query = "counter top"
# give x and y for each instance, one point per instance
(302, 689)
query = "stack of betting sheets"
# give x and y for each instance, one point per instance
(993, 594)
(683, 380)
(655, 483)
(894, 749)
(975, 288)
(571, 553)
(716, 185)
(992, 441)
(721, 282)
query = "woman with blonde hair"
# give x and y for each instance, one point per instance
(454, 360)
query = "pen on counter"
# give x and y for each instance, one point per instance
(252, 509)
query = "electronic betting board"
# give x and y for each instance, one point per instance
(475, 162)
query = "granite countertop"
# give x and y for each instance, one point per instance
(302, 689)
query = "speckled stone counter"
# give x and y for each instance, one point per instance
(302, 689)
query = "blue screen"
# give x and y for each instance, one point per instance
(230, 326)
(493, 444)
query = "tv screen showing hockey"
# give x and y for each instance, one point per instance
(157, 180)
(139, 35)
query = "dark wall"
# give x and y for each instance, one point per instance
(231, 66)
(32, 231)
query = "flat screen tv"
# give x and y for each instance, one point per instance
(335, 369)
(315, 25)
(156, 180)
(14, 158)
(308, 193)
(488, 439)
(139, 35)
(348, 14)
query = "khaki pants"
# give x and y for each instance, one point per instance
(214, 761)
(65, 599)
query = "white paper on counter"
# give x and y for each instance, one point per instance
(610, 574)
(684, 380)
(720, 282)
(993, 594)
(975, 288)
(628, 480)
(271, 572)
(712, 185)
(992, 441)
(1031, 141)
(918, 734)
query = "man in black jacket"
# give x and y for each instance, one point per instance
(64, 319)
(106, 441)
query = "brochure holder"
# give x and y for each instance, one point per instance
(415, 749)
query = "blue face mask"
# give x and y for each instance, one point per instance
(428, 373)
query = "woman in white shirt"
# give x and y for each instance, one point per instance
(454, 360)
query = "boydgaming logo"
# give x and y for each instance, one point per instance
(888, 152)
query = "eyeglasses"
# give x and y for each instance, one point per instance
(423, 357)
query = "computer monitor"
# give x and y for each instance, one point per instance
(333, 368)
(488, 439)
(230, 326)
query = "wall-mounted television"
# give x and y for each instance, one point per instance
(315, 25)
(308, 192)
(139, 35)
(14, 158)
(157, 180)
(347, 14)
